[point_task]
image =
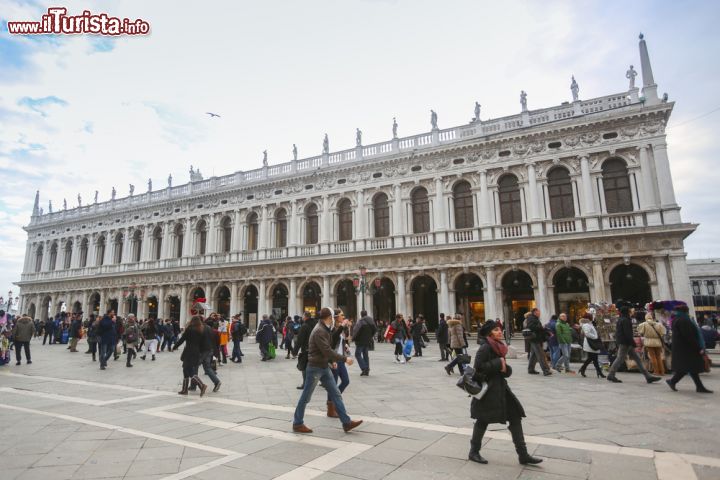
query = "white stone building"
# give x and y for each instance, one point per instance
(550, 207)
(705, 284)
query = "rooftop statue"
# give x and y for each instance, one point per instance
(523, 100)
(294, 152)
(575, 89)
(395, 125)
(631, 74)
(433, 119)
(358, 137)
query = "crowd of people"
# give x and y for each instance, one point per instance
(322, 347)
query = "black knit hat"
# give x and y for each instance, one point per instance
(488, 327)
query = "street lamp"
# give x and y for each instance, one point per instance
(360, 285)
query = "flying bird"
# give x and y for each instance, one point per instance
(212, 114)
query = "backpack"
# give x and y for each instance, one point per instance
(131, 335)
(296, 327)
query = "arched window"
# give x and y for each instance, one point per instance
(53, 256)
(561, 193)
(345, 220)
(420, 211)
(100, 249)
(137, 245)
(119, 238)
(38, 258)
(311, 224)
(179, 239)
(83, 253)
(201, 231)
(252, 223)
(462, 198)
(509, 196)
(281, 228)
(381, 211)
(68, 254)
(157, 242)
(226, 226)
(616, 184)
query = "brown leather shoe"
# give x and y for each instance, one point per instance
(349, 426)
(331, 412)
(301, 429)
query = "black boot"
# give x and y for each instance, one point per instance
(129, 356)
(93, 355)
(476, 442)
(184, 391)
(520, 447)
(476, 457)
(202, 386)
(582, 370)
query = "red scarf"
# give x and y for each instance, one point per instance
(498, 347)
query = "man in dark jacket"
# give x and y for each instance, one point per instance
(238, 330)
(49, 329)
(363, 333)
(320, 356)
(442, 338)
(106, 336)
(75, 332)
(265, 335)
(22, 333)
(539, 335)
(302, 343)
(687, 351)
(626, 348)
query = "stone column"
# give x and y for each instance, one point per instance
(439, 209)
(184, 308)
(400, 303)
(541, 296)
(262, 299)
(236, 233)
(263, 240)
(211, 246)
(599, 282)
(533, 200)
(397, 217)
(649, 187)
(161, 303)
(166, 250)
(444, 294)
(634, 193)
(187, 247)
(127, 246)
(589, 207)
(147, 245)
(671, 211)
(294, 225)
(361, 220)
(681, 280)
(663, 281)
(234, 310)
(325, 221)
(293, 304)
(326, 298)
(490, 294)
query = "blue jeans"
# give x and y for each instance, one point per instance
(564, 356)
(106, 351)
(313, 375)
(236, 352)
(341, 373)
(554, 353)
(363, 358)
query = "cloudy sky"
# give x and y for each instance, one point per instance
(86, 113)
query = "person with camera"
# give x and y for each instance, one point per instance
(499, 404)
(321, 357)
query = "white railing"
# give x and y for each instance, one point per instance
(221, 257)
(379, 243)
(274, 253)
(462, 236)
(306, 251)
(621, 221)
(342, 247)
(512, 231)
(562, 226)
(248, 256)
(419, 239)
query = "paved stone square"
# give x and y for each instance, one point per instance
(65, 418)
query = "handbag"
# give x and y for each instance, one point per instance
(594, 343)
(707, 363)
(271, 350)
(528, 334)
(407, 350)
(390, 333)
(469, 385)
(302, 361)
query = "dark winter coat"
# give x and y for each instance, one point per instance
(624, 332)
(364, 332)
(535, 325)
(686, 355)
(442, 332)
(320, 350)
(106, 331)
(499, 403)
(266, 333)
(303, 336)
(195, 346)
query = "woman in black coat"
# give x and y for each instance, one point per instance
(194, 340)
(687, 353)
(498, 404)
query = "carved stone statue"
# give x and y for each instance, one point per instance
(630, 75)
(41, 212)
(326, 144)
(575, 89)
(149, 185)
(265, 161)
(477, 111)
(170, 180)
(64, 204)
(113, 194)
(358, 137)
(395, 125)
(192, 172)
(294, 152)
(132, 189)
(96, 196)
(523, 100)
(79, 200)
(49, 206)
(665, 98)
(433, 119)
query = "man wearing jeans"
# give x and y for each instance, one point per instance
(363, 333)
(626, 347)
(537, 354)
(106, 338)
(320, 356)
(563, 333)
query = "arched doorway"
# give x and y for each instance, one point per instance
(469, 299)
(31, 311)
(95, 303)
(250, 306)
(518, 297)
(222, 301)
(383, 292)
(197, 296)
(279, 302)
(152, 307)
(630, 283)
(425, 300)
(311, 296)
(113, 304)
(346, 299)
(572, 292)
(174, 307)
(77, 307)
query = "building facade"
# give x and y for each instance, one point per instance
(552, 207)
(705, 284)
